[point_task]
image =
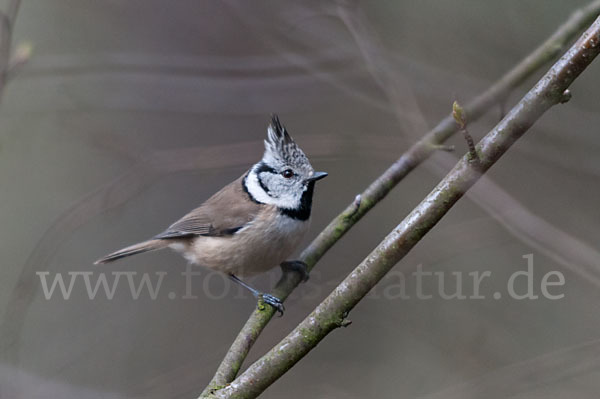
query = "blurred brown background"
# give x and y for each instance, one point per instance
(130, 113)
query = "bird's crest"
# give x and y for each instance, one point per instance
(280, 148)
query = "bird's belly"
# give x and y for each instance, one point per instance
(258, 247)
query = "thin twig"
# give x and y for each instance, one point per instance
(460, 117)
(552, 241)
(419, 152)
(331, 313)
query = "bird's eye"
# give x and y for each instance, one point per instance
(287, 173)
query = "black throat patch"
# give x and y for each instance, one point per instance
(303, 211)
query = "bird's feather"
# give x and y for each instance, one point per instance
(139, 248)
(225, 213)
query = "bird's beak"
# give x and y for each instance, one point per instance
(317, 176)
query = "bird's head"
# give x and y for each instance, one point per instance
(284, 177)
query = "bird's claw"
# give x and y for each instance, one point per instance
(296, 266)
(273, 301)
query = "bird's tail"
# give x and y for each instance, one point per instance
(145, 246)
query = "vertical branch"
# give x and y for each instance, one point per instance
(7, 22)
(11, 11)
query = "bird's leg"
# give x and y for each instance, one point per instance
(267, 298)
(296, 266)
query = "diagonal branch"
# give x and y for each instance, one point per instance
(489, 196)
(419, 152)
(331, 313)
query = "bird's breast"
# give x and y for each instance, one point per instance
(259, 246)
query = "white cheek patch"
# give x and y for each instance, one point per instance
(259, 194)
(255, 190)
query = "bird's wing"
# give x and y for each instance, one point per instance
(223, 214)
